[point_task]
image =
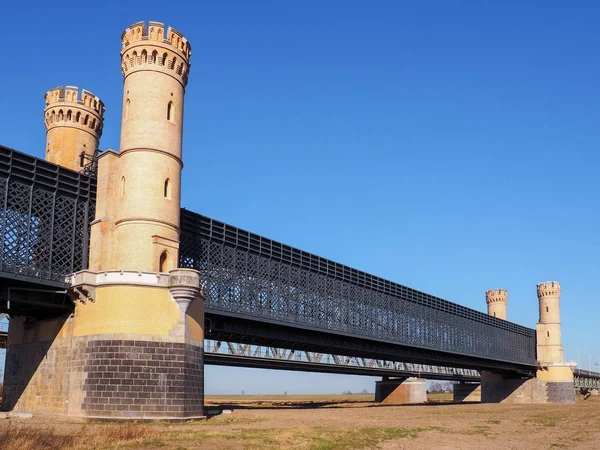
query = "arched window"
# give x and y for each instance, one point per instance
(172, 65)
(144, 56)
(69, 115)
(163, 262)
(122, 187)
(154, 57)
(127, 108)
(163, 62)
(87, 117)
(170, 112)
(167, 189)
(77, 117)
(60, 115)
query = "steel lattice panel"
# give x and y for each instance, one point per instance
(246, 275)
(45, 215)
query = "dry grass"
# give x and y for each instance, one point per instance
(20, 435)
(333, 423)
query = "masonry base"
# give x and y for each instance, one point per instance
(499, 389)
(104, 377)
(401, 391)
(467, 392)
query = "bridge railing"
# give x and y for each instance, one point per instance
(45, 214)
(250, 276)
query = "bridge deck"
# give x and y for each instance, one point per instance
(257, 290)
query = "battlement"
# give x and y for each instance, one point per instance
(548, 289)
(146, 48)
(70, 94)
(65, 106)
(496, 296)
(155, 32)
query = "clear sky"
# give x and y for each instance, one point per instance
(451, 146)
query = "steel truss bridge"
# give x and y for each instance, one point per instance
(258, 291)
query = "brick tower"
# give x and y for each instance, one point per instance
(138, 319)
(496, 302)
(557, 373)
(74, 126)
(549, 345)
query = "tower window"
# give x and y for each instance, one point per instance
(154, 57)
(127, 108)
(122, 187)
(167, 189)
(494, 313)
(170, 112)
(547, 308)
(163, 262)
(547, 334)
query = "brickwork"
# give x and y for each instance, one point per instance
(143, 379)
(87, 377)
(560, 392)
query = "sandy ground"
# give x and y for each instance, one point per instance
(335, 422)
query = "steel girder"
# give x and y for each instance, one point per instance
(255, 356)
(45, 215)
(247, 276)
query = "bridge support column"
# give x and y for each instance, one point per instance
(467, 392)
(401, 391)
(545, 388)
(132, 349)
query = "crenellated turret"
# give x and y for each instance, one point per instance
(141, 46)
(74, 125)
(549, 342)
(496, 300)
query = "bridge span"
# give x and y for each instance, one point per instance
(105, 277)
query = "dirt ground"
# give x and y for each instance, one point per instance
(331, 422)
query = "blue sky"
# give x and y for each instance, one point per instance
(451, 146)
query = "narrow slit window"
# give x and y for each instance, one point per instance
(547, 308)
(127, 108)
(163, 262)
(170, 112)
(167, 189)
(122, 186)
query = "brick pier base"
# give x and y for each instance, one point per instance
(401, 391)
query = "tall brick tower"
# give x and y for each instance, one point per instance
(549, 345)
(138, 319)
(496, 302)
(553, 370)
(141, 200)
(74, 126)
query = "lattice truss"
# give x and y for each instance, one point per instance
(246, 275)
(45, 216)
(328, 359)
(586, 379)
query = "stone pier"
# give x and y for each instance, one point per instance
(467, 392)
(401, 391)
(132, 349)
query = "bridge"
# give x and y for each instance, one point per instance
(117, 297)
(257, 291)
(267, 304)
